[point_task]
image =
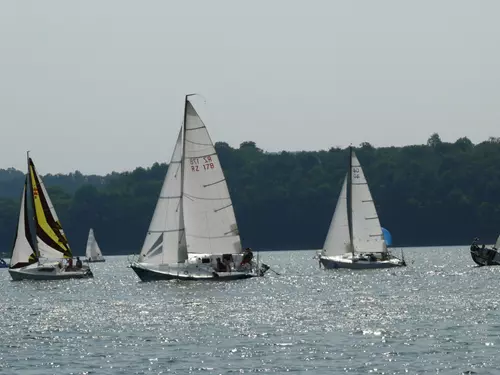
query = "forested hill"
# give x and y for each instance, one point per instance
(434, 194)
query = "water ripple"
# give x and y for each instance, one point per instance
(440, 315)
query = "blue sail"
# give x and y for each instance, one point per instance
(387, 237)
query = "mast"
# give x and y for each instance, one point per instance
(183, 230)
(183, 147)
(30, 209)
(349, 201)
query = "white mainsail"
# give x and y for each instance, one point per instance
(23, 251)
(366, 230)
(337, 240)
(164, 242)
(207, 207)
(92, 250)
(497, 245)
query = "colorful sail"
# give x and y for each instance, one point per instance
(51, 240)
(387, 237)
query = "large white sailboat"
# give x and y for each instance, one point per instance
(40, 244)
(193, 233)
(92, 251)
(355, 239)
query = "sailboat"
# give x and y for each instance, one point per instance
(484, 256)
(355, 238)
(93, 252)
(193, 234)
(40, 244)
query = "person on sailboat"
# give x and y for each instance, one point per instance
(474, 246)
(247, 257)
(79, 264)
(3, 262)
(226, 260)
(220, 267)
(69, 265)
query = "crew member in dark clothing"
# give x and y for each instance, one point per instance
(247, 257)
(79, 264)
(220, 267)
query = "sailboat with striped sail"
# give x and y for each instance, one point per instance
(193, 234)
(355, 238)
(40, 244)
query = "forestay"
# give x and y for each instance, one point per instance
(24, 252)
(337, 240)
(164, 242)
(208, 211)
(367, 232)
(92, 250)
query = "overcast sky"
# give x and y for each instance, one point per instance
(98, 86)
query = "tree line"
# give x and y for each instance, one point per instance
(434, 194)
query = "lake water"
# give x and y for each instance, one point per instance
(438, 315)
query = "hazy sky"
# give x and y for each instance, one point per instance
(98, 85)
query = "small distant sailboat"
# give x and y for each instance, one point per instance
(484, 256)
(93, 252)
(355, 238)
(40, 244)
(193, 234)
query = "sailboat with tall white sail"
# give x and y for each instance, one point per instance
(92, 251)
(355, 238)
(40, 244)
(193, 234)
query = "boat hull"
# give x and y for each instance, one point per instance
(152, 274)
(485, 257)
(49, 273)
(96, 261)
(339, 262)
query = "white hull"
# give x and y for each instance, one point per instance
(359, 262)
(186, 271)
(98, 260)
(48, 271)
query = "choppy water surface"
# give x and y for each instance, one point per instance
(439, 315)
